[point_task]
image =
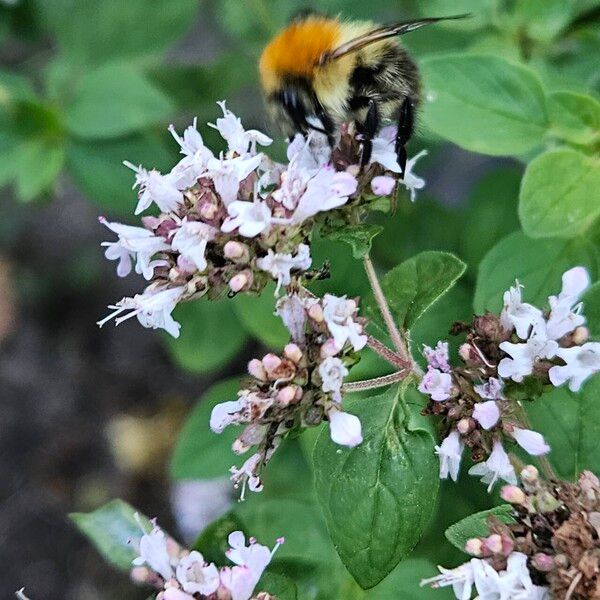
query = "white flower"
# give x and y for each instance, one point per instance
(565, 312)
(438, 357)
(582, 362)
(238, 139)
(191, 143)
(490, 389)
(338, 314)
(384, 149)
(497, 466)
(157, 188)
(524, 356)
(153, 309)
(293, 314)
(411, 181)
(196, 576)
(327, 190)
(332, 372)
(250, 218)
(154, 554)
(196, 156)
(134, 242)
(227, 413)
(248, 474)
(172, 593)
(310, 153)
(344, 428)
(292, 186)
(486, 413)
(190, 240)
(461, 579)
(228, 174)
(281, 265)
(436, 384)
(383, 185)
(20, 594)
(531, 441)
(519, 315)
(450, 453)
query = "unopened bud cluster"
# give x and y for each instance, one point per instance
(479, 401)
(234, 222)
(300, 388)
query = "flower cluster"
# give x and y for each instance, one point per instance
(179, 574)
(479, 401)
(550, 547)
(301, 388)
(233, 222)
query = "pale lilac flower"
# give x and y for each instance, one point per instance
(338, 314)
(384, 149)
(292, 186)
(228, 174)
(196, 576)
(293, 314)
(248, 474)
(190, 240)
(436, 384)
(332, 372)
(497, 466)
(152, 308)
(134, 242)
(154, 554)
(490, 389)
(565, 311)
(173, 593)
(155, 187)
(524, 356)
(517, 314)
(531, 441)
(238, 139)
(345, 429)
(383, 185)
(411, 181)
(582, 363)
(450, 453)
(438, 357)
(327, 190)
(227, 413)
(280, 265)
(461, 579)
(250, 218)
(309, 153)
(486, 413)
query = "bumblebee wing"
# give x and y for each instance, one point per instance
(382, 33)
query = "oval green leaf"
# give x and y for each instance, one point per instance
(574, 117)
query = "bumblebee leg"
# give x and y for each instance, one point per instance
(406, 125)
(368, 130)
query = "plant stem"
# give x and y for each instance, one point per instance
(389, 355)
(377, 382)
(386, 313)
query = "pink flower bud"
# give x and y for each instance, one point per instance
(542, 562)
(383, 185)
(329, 348)
(513, 495)
(177, 594)
(240, 447)
(493, 543)
(236, 251)
(508, 545)
(257, 370)
(140, 575)
(287, 395)
(581, 335)
(465, 352)
(465, 425)
(240, 282)
(173, 548)
(293, 352)
(208, 211)
(271, 362)
(315, 312)
(474, 547)
(530, 475)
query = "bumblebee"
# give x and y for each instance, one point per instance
(320, 72)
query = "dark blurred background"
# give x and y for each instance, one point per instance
(87, 414)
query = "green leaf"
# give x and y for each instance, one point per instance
(591, 305)
(415, 285)
(115, 100)
(542, 20)
(477, 526)
(571, 426)
(574, 117)
(256, 314)
(38, 162)
(276, 585)
(378, 497)
(358, 237)
(203, 322)
(212, 542)
(111, 529)
(560, 194)
(96, 31)
(200, 453)
(98, 170)
(537, 264)
(484, 103)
